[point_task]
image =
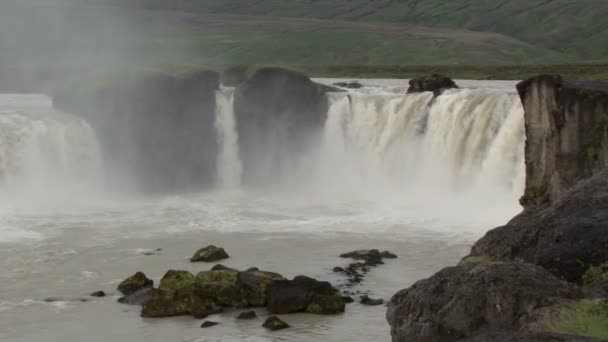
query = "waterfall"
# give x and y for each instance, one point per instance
(463, 139)
(44, 151)
(229, 165)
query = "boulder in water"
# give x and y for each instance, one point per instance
(139, 297)
(134, 283)
(475, 297)
(208, 324)
(255, 286)
(274, 323)
(209, 254)
(98, 294)
(247, 315)
(366, 300)
(434, 83)
(326, 305)
(287, 296)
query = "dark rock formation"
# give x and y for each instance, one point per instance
(247, 315)
(280, 114)
(566, 238)
(287, 296)
(98, 294)
(475, 297)
(139, 297)
(220, 267)
(156, 130)
(349, 85)
(254, 285)
(356, 271)
(274, 323)
(208, 324)
(434, 83)
(235, 75)
(527, 337)
(326, 305)
(134, 283)
(365, 300)
(209, 254)
(566, 135)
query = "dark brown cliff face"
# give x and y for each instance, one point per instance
(280, 114)
(566, 137)
(157, 131)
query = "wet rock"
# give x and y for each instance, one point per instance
(139, 297)
(278, 111)
(369, 258)
(175, 280)
(365, 300)
(134, 283)
(255, 286)
(221, 293)
(220, 267)
(209, 254)
(253, 269)
(98, 294)
(434, 83)
(567, 237)
(465, 300)
(57, 299)
(326, 305)
(274, 323)
(247, 315)
(224, 276)
(287, 296)
(597, 289)
(208, 324)
(348, 299)
(349, 85)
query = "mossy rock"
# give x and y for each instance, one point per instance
(596, 274)
(274, 323)
(326, 305)
(134, 283)
(175, 280)
(209, 254)
(225, 276)
(255, 286)
(164, 304)
(222, 293)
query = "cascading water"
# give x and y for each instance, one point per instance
(44, 152)
(229, 165)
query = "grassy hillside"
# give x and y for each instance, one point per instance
(35, 32)
(575, 27)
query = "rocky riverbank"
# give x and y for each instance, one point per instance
(543, 276)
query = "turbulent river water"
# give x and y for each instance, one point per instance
(420, 176)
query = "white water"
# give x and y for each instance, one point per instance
(421, 178)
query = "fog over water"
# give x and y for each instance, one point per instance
(423, 177)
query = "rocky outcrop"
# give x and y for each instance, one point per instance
(434, 83)
(528, 337)
(567, 140)
(303, 294)
(566, 238)
(209, 254)
(475, 297)
(156, 130)
(134, 283)
(280, 114)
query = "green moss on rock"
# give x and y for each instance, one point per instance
(255, 286)
(326, 305)
(209, 254)
(175, 280)
(585, 318)
(225, 276)
(595, 274)
(274, 323)
(535, 195)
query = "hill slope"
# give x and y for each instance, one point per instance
(575, 27)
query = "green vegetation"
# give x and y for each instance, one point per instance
(596, 274)
(585, 318)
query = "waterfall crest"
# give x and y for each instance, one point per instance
(43, 150)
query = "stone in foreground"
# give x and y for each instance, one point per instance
(209, 254)
(274, 323)
(462, 301)
(134, 283)
(208, 324)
